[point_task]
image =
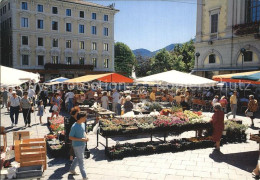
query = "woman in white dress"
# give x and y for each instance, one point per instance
(104, 101)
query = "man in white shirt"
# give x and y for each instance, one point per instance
(69, 98)
(116, 97)
(14, 104)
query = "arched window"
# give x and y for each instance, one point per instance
(248, 56)
(212, 58)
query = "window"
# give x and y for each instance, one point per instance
(94, 30)
(81, 14)
(54, 25)
(94, 62)
(54, 10)
(55, 43)
(252, 11)
(81, 61)
(68, 60)
(105, 46)
(81, 28)
(105, 31)
(248, 56)
(106, 63)
(40, 8)
(10, 22)
(68, 12)
(25, 40)
(214, 23)
(212, 58)
(24, 6)
(94, 16)
(4, 9)
(1, 12)
(40, 41)
(68, 44)
(25, 60)
(9, 6)
(81, 45)
(40, 60)
(24, 22)
(55, 59)
(94, 46)
(105, 17)
(68, 27)
(40, 24)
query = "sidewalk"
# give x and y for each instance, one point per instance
(236, 161)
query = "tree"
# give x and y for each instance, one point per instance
(124, 59)
(161, 62)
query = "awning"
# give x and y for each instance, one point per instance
(56, 81)
(16, 77)
(252, 77)
(177, 78)
(107, 77)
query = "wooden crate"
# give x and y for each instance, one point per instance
(33, 152)
(17, 137)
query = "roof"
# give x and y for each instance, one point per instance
(82, 2)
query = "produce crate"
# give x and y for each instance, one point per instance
(33, 152)
(29, 171)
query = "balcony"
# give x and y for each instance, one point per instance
(245, 29)
(67, 66)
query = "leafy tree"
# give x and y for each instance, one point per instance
(124, 59)
(143, 67)
(161, 62)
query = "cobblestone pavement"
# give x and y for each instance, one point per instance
(235, 161)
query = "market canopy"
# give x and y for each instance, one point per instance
(107, 77)
(16, 77)
(252, 77)
(177, 78)
(56, 81)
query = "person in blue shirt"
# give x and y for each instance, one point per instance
(79, 138)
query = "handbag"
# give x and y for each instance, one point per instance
(249, 114)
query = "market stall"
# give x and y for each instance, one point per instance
(252, 77)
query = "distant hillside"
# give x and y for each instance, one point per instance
(146, 53)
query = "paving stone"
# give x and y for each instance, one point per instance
(202, 174)
(178, 167)
(219, 175)
(139, 175)
(152, 170)
(184, 173)
(156, 176)
(173, 177)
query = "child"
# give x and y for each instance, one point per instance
(55, 111)
(41, 110)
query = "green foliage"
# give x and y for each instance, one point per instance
(143, 66)
(124, 59)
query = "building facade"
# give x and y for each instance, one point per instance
(57, 38)
(227, 37)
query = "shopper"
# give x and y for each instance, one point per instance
(69, 96)
(41, 110)
(184, 104)
(44, 96)
(56, 100)
(218, 124)
(116, 97)
(128, 106)
(214, 101)
(31, 94)
(233, 105)
(224, 103)
(120, 103)
(14, 105)
(178, 98)
(152, 95)
(104, 101)
(251, 109)
(79, 138)
(5, 98)
(26, 108)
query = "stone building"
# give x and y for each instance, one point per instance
(57, 37)
(227, 37)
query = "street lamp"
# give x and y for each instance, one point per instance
(243, 51)
(197, 56)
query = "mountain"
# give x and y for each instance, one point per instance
(146, 53)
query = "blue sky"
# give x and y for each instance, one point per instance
(153, 25)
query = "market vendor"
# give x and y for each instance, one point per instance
(218, 125)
